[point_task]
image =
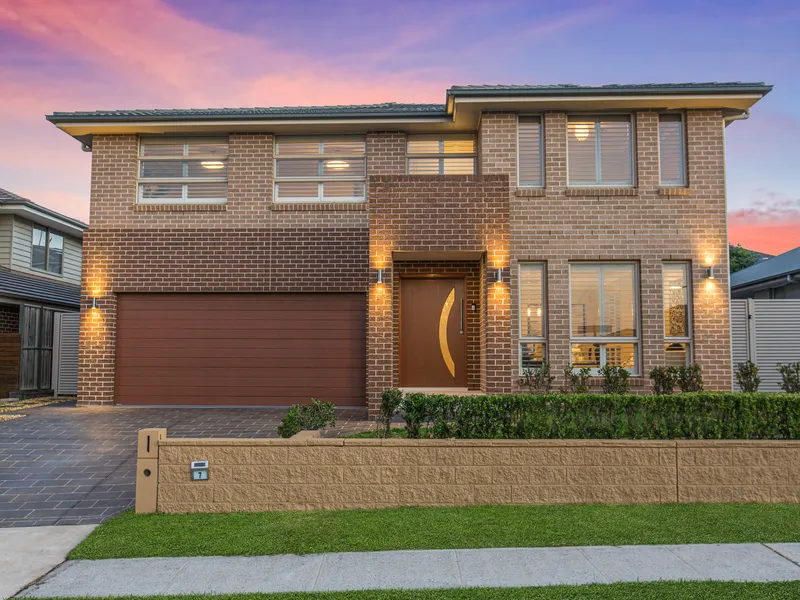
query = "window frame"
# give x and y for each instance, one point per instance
(441, 155)
(687, 339)
(597, 117)
(606, 340)
(520, 119)
(47, 232)
(522, 339)
(684, 152)
(183, 181)
(320, 179)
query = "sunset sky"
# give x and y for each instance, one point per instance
(62, 55)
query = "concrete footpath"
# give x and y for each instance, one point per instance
(491, 567)
(27, 553)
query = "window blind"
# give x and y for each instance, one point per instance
(530, 151)
(599, 150)
(441, 154)
(671, 149)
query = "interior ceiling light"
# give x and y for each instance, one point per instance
(581, 131)
(212, 164)
(337, 164)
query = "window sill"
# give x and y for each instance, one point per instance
(319, 206)
(530, 192)
(174, 208)
(601, 191)
(674, 191)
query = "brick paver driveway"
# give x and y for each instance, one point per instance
(62, 465)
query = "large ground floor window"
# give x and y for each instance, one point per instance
(604, 316)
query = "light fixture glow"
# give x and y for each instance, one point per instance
(499, 275)
(212, 164)
(529, 312)
(581, 131)
(380, 276)
(337, 164)
(538, 312)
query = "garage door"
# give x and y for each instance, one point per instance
(240, 349)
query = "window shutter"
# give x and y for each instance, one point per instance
(671, 150)
(452, 154)
(615, 151)
(530, 151)
(582, 151)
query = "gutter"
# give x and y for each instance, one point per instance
(741, 117)
(772, 282)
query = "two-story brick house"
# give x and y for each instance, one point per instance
(264, 256)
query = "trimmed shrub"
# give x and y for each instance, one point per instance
(790, 376)
(391, 401)
(537, 380)
(690, 379)
(615, 380)
(307, 416)
(664, 379)
(576, 382)
(702, 415)
(747, 377)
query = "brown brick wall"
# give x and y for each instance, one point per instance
(9, 319)
(558, 225)
(262, 474)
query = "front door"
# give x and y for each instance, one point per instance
(433, 349)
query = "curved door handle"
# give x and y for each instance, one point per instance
(444, 347)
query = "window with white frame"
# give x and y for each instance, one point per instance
(448, 154)
(529, 143)
(604, 315)
(600, 150)
(532, 316)
(320, 169)
(183, 170)
(671, 150)
(677, 295)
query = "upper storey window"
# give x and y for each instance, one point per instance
(320, 169)
(529, 140)
(47, 250)
(671, 150)
(452, 154)
(183, 170)
(599, 150)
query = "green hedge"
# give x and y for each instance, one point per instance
(701, 415)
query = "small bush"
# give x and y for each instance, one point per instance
(615, 380)
(790, 376)
(538, 380)
(664, 379)
(747, 377)
(576, 382)
(696, 416)
(690, 379)
(307, 416)
(390, 404)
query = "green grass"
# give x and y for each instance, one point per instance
(617, 591)
(130, 535)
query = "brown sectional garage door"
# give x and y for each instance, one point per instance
(240, 349)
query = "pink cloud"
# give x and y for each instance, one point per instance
(770, 225)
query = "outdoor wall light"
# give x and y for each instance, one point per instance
(94, 303)
(499, 275)
(710, 273)
(380, 276)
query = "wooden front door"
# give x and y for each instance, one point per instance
(433, 350)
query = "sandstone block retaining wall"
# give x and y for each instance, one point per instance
(303, 474)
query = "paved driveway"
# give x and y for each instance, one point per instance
(62, 465)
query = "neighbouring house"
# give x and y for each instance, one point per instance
(266, 256)
(40, 278)
(776, 277)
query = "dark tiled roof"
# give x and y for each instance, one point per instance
(778, 266)
(385, 109)
(10, 198)
(30, 287)
(712, 87)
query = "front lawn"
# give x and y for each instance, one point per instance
(617, 591)
(417, 528)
